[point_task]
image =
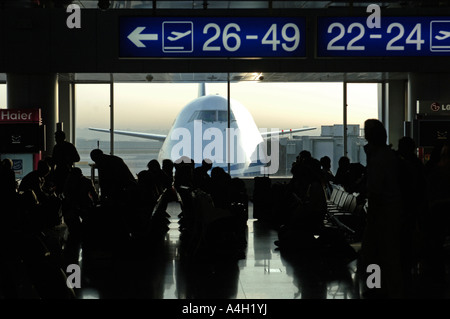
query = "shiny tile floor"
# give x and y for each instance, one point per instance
(158, 271)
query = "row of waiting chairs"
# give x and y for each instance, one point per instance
(343, 210)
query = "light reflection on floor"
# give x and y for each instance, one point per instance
(263, 274)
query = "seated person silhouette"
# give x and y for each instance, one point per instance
(49, 205)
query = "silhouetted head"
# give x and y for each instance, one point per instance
(344, 162)
(183, 174)
(7, 163)
(167, 165)
(96, 154)
(374, 132)
(60, 136)
(304, 155)
(207, 164)
(154, 165)
(218, 173)
(325, 162)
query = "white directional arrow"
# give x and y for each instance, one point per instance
(136, 37)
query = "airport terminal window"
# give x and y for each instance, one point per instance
(152, 107)
(361, 108)
(91, 110)
(362, 104)
(287, 106)
(147, 108)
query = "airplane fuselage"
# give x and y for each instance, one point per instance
(201, 131)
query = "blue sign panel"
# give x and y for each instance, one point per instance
(397, 36)
(211, 37)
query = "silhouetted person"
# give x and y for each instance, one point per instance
(49, 204)
(307, 206)
(184, 173)
(151, 184)
(35, 181)
(413, 188)
(381, 243)
(342, 171)
(116, 181)
(184, 186)
(79, 193)
(167, 168)
(80, 199)
(327, 174)
(301, 157)
(355, 178)
(154, 169)
(64, 156)
(202, 179)
(220, 187)
(50, 180)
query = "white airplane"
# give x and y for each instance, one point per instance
(201, 131)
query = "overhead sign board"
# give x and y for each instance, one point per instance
(397, 36)
(12, 116)
(433, 108)
(141, 37)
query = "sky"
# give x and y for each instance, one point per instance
(152, 107)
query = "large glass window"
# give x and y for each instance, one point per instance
(147, 108)
(362, 104)
(285, 106)
(91, 111)
(153, 107)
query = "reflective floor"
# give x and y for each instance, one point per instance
(263, 272)
(159, 271)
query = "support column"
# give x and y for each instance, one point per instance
(36, 91)
(65, 107)
(392, 107)
(395, 113)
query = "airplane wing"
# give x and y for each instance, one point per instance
(284, 132)
(150, 136)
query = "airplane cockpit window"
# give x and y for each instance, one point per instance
(212, 116)
(223, 116)
(205, 116)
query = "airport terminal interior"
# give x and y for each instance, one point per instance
(250, 236)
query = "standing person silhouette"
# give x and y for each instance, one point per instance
(381, 243)
(64, 156)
